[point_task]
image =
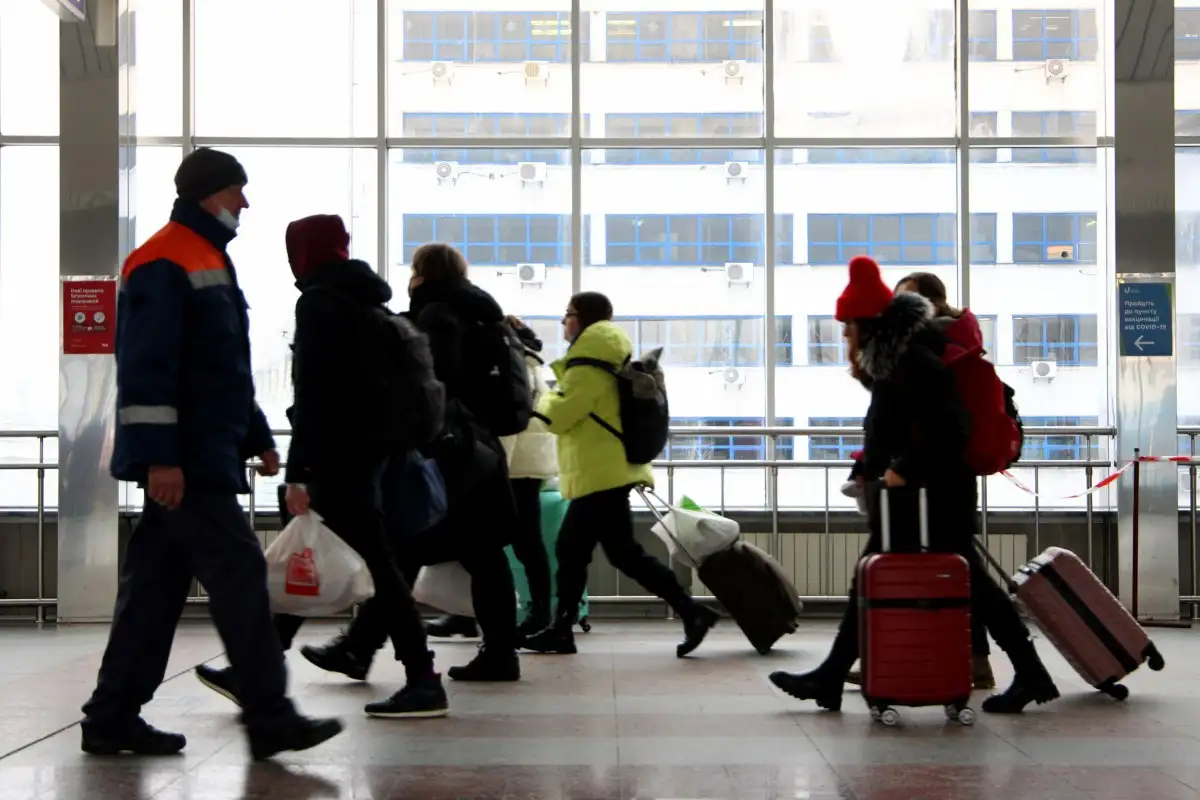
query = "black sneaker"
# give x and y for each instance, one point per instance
(813, 686)
(695, 627)
(423, 699)
(449, 625)
(338, 657)
(489, 666)
(220, 681)
(299, 734)
(141, 740)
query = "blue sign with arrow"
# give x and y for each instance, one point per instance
(1145, 319)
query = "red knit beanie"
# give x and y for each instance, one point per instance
(315, 241)
(866, 295)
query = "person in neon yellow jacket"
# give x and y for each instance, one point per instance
(595, 475)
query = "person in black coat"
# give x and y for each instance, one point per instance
(481, 513)
(915, 435)
(334, 465)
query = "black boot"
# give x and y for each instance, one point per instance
(1032, 683)
(536, 621)
(140, 739)
(339, 656)
(819, 685)
(449, 625)
(421, 698)
(698, 620)
(491, 665)
(557, 638)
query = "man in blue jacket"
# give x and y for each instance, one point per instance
(187, 422)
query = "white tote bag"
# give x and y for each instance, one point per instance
(312, 572)
(446, 587)
(701, 533)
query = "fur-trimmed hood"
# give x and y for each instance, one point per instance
(884, 339)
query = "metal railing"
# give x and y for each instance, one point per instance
(672, 468)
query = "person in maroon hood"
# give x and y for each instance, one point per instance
(330, 467)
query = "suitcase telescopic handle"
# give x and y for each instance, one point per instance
(885, 518)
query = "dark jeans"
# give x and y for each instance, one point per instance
(206, 537)
(605, 518)
(992, 611)
(474, 533)
(348, 499)
(528, 545)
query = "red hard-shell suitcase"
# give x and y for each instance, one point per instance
(747, 582)
(1082, 618)
(915, 626)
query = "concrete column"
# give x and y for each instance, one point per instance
(1143, 57)
(95, 160)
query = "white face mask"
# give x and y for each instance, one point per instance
(226, 218)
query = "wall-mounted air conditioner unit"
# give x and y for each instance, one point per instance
(734, 72)
(736, 171)
(537, 73)
(740, 273)
(446, 171)
(1057, 69)
(1043, 370)
(532, 172)
(443, 72)
(531, 274)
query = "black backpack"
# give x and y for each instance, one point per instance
(642, 393)
(406, 402)
(497, 381)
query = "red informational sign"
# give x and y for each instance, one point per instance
(89, 316)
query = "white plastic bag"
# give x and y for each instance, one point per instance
(446, 587)
(312, 572)
(700, 533)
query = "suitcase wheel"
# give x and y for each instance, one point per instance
(963, 715)
(763, 650)
(585, 625)
(1154, 659)
(1118, 691)
(888, 716)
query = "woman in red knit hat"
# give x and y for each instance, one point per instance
(916, 434)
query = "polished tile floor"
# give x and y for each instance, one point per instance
(623, 719)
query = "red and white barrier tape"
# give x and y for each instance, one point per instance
(1107, 480)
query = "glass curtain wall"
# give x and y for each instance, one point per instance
(710, 165)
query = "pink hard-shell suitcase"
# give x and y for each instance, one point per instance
(1082, 618)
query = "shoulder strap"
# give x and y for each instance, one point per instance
(591, 362)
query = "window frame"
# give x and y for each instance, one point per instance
(1074, 40)
(561, 243)
(700, 244)
(1048, 346)
(841, 446)
(1058, 447)
(662, 154)
(1185, 41)
(1053, 155)
(702, 42)
(728, 445)
(1078, 223)
(470, 38)
(944, 250)
(491, 156)
(814, 347)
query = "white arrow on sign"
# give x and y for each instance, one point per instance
(1139, 342)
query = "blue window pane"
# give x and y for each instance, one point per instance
(483, 36)
(726, 448)
(900, 239)
(685, 36)
(1065, 339)
(826, 344)
(835, 448)
(651, 126)
(494, 239)
(1060, 33)
(1054, 123)
(684, 239)
(1054, 238)
(480, 125)
(1058, 448)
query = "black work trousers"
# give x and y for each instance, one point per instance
(348, 499)
(206, 537)
(474, 533)
(605, 518)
